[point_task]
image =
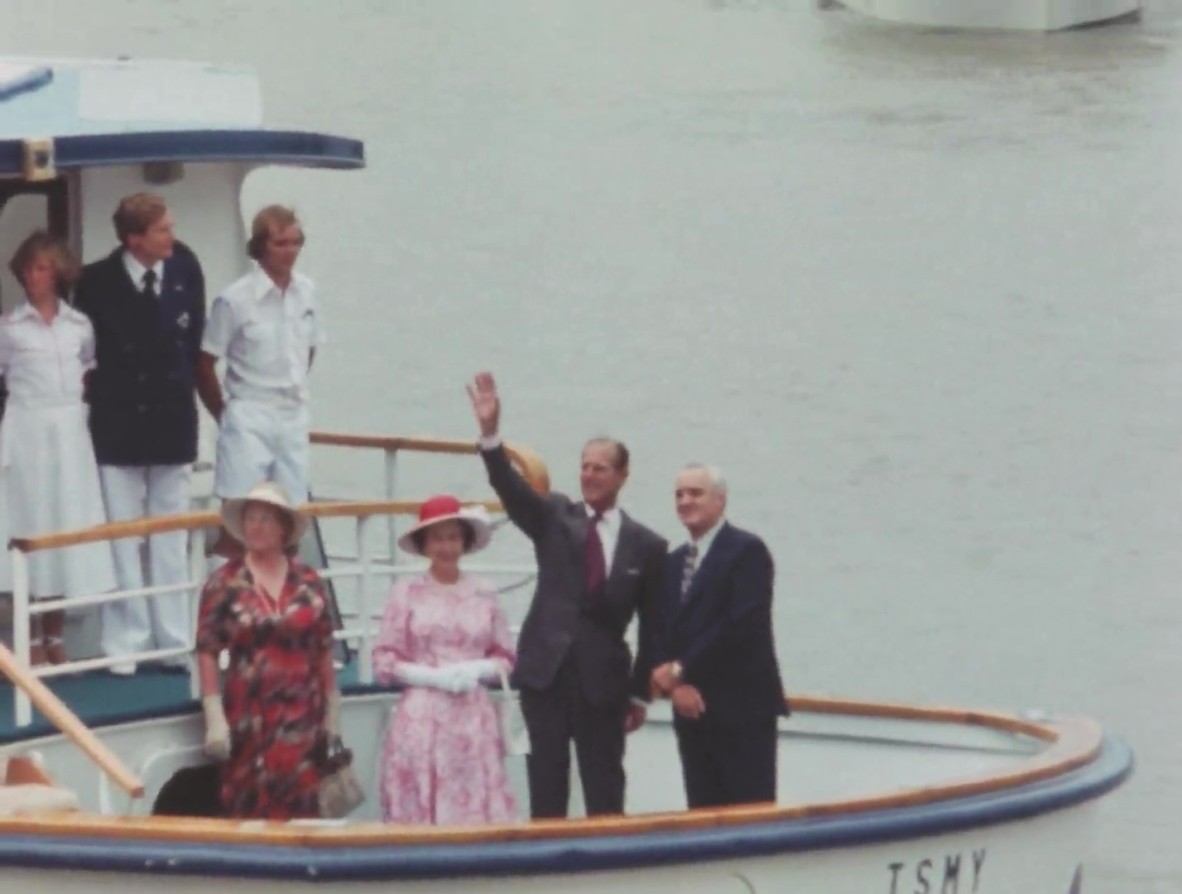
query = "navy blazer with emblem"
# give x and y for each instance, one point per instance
(721, 632)
(143, 408)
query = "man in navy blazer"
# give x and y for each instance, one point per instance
(715, 655)
(146, 300)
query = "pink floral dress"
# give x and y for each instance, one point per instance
(443, 759)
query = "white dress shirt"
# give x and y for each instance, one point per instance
(136, 271)
(43, 362)
(704, 542)
(609, 535)
(266, 336)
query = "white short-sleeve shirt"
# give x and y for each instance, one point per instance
(43, 362)
(265, 336)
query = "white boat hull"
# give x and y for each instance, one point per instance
(891, 803)
(1008, 15)
(1023, 858)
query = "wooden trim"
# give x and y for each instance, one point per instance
(1075, 742)
(67, 721)
(189, 521)
(347, 509)
(527, 462)
(139, 527)
(392, 442)
(1000, 722)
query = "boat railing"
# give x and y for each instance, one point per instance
(68, 723)
(365, 568)
(528, 462)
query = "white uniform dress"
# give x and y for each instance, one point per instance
(50, 478)
(265, 336)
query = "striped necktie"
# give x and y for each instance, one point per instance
(688, 569)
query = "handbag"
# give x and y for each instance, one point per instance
(514, 732)
(340, 791)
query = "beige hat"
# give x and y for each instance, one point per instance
(445, 507)
(273, 495)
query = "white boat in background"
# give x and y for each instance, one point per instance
(873, 797)
(1003, 15)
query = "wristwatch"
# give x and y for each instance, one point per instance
(676, 670)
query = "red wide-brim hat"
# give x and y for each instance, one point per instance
(447, 508)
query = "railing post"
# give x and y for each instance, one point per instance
(364, 586)
(391, 483)
(198, 572)
(22, 707)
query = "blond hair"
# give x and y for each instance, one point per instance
(40, 243)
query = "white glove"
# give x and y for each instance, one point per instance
(461, 677)
(487, 670)
(425, 675)
(217, 730)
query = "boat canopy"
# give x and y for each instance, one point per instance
(85, 113)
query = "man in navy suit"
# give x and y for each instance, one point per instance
(147, 303)
(715, 654)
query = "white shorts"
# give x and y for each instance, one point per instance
(262, 442)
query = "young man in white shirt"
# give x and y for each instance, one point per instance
(266, 327)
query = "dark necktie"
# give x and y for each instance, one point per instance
(593, 559)
(149, 283)
(688, 569)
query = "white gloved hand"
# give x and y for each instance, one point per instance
(487, 670)
(422, 675)
(217, 730)
(461, 676)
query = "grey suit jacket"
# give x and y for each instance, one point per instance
(563, 619)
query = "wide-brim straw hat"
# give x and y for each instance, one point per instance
(273, 495)
(447, 508)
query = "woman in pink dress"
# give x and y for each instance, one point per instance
(442, 636)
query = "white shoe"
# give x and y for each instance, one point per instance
(122, 668)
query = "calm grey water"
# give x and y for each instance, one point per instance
(916, 293)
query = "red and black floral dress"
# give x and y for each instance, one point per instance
(273, 690)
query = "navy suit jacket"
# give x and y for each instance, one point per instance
(143, 408)
(564, 618)
(722, 631)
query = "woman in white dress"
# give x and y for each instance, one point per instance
(46, 458)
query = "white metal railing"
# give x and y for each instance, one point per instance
(365, 568)
(367, 571)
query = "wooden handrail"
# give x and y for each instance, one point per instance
(67, 722)
(990, 720)
(527, 462)
(1074, 742)
(190, 521)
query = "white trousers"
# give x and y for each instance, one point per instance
(260, 442)
(147, 622)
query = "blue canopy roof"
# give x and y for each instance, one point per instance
(125, 111)
(250, 146)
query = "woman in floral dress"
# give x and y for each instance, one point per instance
(272, 722)
(442, 636)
